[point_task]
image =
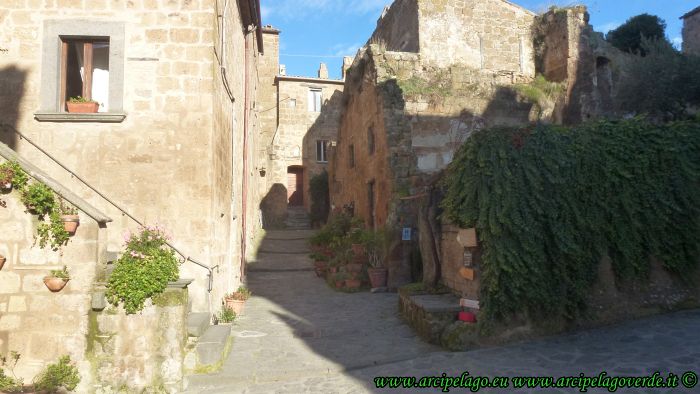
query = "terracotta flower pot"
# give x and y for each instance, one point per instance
(235, 305)
(354, 267)
(83, 108)
(339, 284)
(70, 223)
(55, 284)
(352, 283)
(377, 277)
(2, 261)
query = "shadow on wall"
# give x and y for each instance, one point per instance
(274, 207)
(325, 128)
(12, 82)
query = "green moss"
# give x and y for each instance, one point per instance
(213, 368)
(416, 86)
(170, 297)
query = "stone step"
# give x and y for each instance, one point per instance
(212, 346)
(198, 323)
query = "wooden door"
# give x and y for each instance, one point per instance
(295, 186)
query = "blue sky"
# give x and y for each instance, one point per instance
(315, 31)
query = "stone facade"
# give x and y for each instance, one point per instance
(691, 32)
(183, 154)
(293, 119)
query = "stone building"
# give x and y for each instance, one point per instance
(433, 72)
(691, 32)
(174, 142)
(299, 123)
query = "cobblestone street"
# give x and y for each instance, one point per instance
(299, 336)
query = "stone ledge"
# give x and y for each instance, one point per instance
(103, 117)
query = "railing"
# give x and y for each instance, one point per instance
(210, 270)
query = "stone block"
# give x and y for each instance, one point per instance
(187, 36)
(211, 345)
(17, 304)
(197, 323)
(157, 35)
(35, 283)
(9, 322)
(10, 282)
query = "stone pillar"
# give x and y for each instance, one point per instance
(347, 62)
(323, 71)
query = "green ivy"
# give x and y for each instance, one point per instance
(549, 202)
(143, 271)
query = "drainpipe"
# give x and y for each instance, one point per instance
(246, 120)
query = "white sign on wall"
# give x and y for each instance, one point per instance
(406, 234)
(467, 303)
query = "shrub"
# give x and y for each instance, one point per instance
(549, 202)
(143, 270)
(10, 383)
(60, 375)
(320, 199)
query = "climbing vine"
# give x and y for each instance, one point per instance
(549, 202)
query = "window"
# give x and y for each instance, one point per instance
(370, 140)
(85, 71)
(315, 96)
(321, 151)
(82, 57)
(351, 156)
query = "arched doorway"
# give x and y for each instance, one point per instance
(295, 186)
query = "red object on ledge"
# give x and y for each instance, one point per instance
(467, 317)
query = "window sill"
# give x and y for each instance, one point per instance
(100, 117)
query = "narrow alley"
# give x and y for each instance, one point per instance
(299, 336)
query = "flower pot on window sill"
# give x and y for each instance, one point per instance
(70, 223)
(83, 108)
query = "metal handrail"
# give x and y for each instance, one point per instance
(122, 210)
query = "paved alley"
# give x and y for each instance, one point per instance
(299, 336)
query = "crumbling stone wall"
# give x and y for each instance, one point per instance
(398, 27)
(691, 32)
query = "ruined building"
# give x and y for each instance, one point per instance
(691, 32)
(174, 142)
(298, 124)
(433, 72)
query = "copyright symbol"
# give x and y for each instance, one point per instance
(689, 379)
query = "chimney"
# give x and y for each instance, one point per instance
(347, 62)
(283, 70)
(323, 71)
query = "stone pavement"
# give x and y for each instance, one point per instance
(299, 336)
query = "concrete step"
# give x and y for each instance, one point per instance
(212, 346)
(198, 323)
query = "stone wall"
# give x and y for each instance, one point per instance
(142, 352)
(40, 325)
(398, 27)
(691, 32)
(176, 157)
(483, 34)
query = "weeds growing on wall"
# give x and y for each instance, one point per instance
(549, 202)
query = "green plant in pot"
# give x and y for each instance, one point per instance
(226, 316)
(57, 279)
(79, 104)
(236, 300)
(69, 217)
(376, 246)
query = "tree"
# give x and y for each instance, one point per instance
(664, 84)
(628, 36)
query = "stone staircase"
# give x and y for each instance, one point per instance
(297, 219)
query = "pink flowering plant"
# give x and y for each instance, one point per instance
(143, 270)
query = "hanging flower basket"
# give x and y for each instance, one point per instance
(55, 284)
(70, 223)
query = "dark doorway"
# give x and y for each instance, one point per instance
(295, 185)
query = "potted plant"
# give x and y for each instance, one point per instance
(12, 176)
(236, 300)
(375, 243)
(353, 282)
(57, 280)
(2, 261)
(320, 263)
(69, 217)
(339, 279)
(82, 105)
(225, 317)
